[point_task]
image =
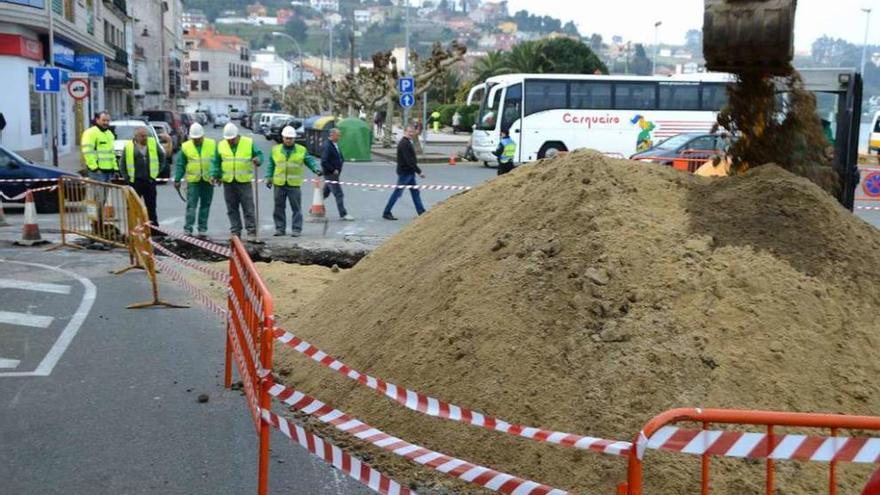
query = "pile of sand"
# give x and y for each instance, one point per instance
(587, 294)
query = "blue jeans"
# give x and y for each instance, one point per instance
(405, 180)
(100, 175)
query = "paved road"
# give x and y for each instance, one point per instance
(112, 408)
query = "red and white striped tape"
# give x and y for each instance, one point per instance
(423, 187)
(217, 275)
(868, 208)
(188, 287)
(437, 408)
(24, 194)
(463, 470)
(29, 180)
(336, 457)
(759, 446)
(209, 246)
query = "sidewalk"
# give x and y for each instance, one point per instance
(69, 162)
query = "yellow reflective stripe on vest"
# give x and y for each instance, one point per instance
(237, 166)
(152, 151)
(198, 165)
(289, 170)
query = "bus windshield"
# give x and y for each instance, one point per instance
(489, 110)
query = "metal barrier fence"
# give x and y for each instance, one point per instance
(94, 210)
(249, 339)
(659, 434)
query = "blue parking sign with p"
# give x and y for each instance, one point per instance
(406, 85)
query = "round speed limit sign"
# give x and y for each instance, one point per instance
(78, 89)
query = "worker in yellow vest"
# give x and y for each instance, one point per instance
(194, 161)
(142, 157)
(234, 166)
(96, 145)
(286, 174)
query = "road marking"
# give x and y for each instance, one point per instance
(7, 283)
(88, 299)
(25, 320)
(6, 364)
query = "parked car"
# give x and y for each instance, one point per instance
(265, 120)
(245, 120)
(124, 132)
(221, 120)
(278, 124)
(186, 120)
(253, 121)
(201, 118)
(874, 138)
(234, 114)
(172, 119)
(15, 166)
(693, 144)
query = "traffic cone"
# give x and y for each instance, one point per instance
(317, 209)
(3, 222)
(452, 159)
(30, 231)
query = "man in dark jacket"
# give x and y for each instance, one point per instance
(407, 168)
(331, 164)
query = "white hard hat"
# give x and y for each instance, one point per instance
(288, 132)
(196, 131)
(230, 131)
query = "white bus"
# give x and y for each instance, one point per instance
(619, 115)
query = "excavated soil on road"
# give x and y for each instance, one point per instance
(586, 294)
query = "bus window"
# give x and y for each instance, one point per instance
(714, 97)
(635, 96)
(489, 110)
(512, 106)
(546, 95)
(589, 95)
(679, 96)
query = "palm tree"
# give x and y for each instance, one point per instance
(493, 64)
(526, 58)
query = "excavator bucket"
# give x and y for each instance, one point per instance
(749, 35)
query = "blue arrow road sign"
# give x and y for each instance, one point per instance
(406, 85)
(407, 100)
(47, 80)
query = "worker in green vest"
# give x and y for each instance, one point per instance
(286, 174)
(142, 158)
(435, 116)
(96, 145)
(506, 152)
(194, 161)
(234, 166)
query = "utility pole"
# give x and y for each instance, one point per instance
(867, 11)
(332, 91)
(53, 97)
(406, 71)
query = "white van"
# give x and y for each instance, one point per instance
(874, 140)
(265, 119)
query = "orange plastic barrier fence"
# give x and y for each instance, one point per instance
(770, 445)
(249, 343)
(686, 161)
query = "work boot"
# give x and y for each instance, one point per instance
(388, 216)
(279, 234)
(348, 218)
(295, 233)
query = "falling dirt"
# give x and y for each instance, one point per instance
(782, 130)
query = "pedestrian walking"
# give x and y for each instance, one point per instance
(379, 121)
(506, 152)
(194, 162)
(286, 174)
(142, 156)
(233, 166)
(331, 164)
(456, 122)
(97, 149)
(407, 169)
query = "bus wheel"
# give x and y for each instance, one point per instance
(551, 149)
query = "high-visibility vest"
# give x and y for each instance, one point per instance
(237, 166)
(97, 149)
(152, 151)
(289, 170)
(509, 152)
(198, 164)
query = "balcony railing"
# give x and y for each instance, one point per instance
(121, 55)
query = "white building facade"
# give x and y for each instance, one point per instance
(219, 72)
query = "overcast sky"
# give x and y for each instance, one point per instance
(634, 19)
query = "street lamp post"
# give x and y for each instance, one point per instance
(867, 12)
(406, 57)
(656, 41)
